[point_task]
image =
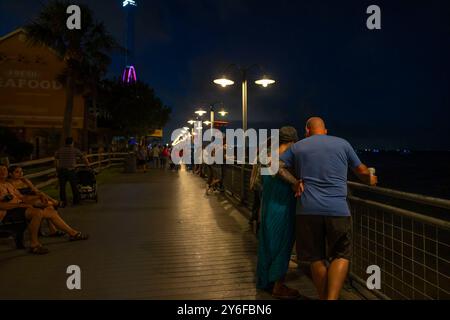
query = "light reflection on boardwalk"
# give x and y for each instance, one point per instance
(153, 236)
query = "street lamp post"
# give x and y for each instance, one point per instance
(212, 117)
(224, 82)
(244, 99)
(211, 121)
(244, 71)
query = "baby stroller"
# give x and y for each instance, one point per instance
(87, 184)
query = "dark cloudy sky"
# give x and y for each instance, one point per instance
(387, 88)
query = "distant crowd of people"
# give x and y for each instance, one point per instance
(155, 156)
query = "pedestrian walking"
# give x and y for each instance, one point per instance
(323, 218)
(66, 161)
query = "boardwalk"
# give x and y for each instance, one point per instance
(153, 236)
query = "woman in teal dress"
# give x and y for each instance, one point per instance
(277, 228)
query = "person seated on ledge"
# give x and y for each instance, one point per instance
(11, 198)
(26, 187)
(33, 195)
(13, 210)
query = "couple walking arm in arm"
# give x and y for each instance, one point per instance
(323, 221)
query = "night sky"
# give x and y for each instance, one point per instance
(387, 88)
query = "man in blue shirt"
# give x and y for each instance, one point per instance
(320, 163)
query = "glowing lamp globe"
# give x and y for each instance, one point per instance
(224, 82)
(265, 82)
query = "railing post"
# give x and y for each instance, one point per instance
(242, 183)
(232, 181)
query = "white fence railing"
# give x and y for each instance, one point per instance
(43, 171)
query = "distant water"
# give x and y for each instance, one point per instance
(426, 173)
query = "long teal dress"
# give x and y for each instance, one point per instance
(276, 232)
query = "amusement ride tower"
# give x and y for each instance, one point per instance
(129, 73)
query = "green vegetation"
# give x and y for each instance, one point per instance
(12, 147)
(132, 109)
(85, 52)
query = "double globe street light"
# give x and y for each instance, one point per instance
(197, 124)
(201, 112)
(225, 82)
(244, 72)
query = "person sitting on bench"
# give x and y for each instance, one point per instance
(12, 199)
(33, 195)
(26, 187)
(14, 210)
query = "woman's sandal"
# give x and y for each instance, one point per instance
(39, 250)
(79, 237)
(57, 234)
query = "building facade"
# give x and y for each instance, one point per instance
(32, 101)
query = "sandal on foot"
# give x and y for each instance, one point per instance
(79, 237)
(39, 250)
(57, 234)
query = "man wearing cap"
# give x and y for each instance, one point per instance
(323, 219)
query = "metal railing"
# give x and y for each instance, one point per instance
(407, 235)
(43, 173)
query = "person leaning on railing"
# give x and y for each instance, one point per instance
(321, 165)
(66, 162)
(214, 176)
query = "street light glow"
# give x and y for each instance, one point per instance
(191, 122)
(265, 82)
(224, 82)
(207, 122)
(223, 113)
(200, 112)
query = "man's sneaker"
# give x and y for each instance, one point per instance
(285, 293)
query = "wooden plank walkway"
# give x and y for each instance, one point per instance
(153, 236)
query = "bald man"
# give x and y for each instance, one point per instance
(321, 165)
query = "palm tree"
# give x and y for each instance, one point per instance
(92, 68)
(93, 71)
(98, 60)
(77, 48)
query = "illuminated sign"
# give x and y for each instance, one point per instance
(129, 2)
(157, 133)
(30, 96)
